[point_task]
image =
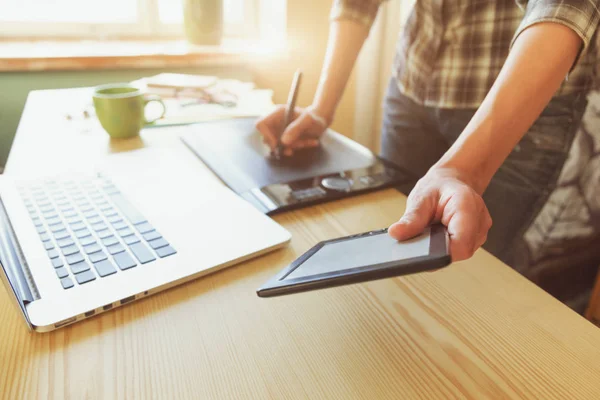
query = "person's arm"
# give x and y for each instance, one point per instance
(537, 65)
(351, 22)
(539, 61)
(346, 38)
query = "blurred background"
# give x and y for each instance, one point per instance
(73, 43)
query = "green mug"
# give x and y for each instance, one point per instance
(120, 107)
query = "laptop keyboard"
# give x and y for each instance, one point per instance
(90, 230)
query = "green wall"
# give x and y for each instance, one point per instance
(14, 87)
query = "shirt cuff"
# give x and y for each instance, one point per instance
(361, 11)
(582, 16)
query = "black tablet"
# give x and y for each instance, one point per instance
(359, 258)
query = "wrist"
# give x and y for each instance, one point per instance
(324, 114)
(463, 171)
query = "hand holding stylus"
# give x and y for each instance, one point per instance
(290, 128)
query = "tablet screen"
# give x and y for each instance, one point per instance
(361, 252)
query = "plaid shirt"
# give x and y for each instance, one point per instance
(452, 51)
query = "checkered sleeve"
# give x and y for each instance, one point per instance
(582, 16)
(362, 11)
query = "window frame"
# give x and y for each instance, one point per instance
(148, 26)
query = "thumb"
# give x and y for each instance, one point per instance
(417, 216)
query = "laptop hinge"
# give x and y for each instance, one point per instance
(15, 271)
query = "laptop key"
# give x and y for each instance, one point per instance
(114, 219)
(165, 251)
(44, 236)
(61, 234)
(74, 258)
(65, 242)
(40, 229)
(68, 250)
(125, 232)
(109, 241)
(98, 256)
(46, 209)
(85, 277)
(158, 243)
(62, 272)
(57, 228)
(104, 233)
(50, 216)
(67, 283)
(120, 225)
(94, 220)
(131, 239)
(87, 241)
(144, 227)
(99, 226)
(53, 253)
(77, 226)
(124, 261)
(87, 208)
(90, 214)
(57, 262)
(111, 189)
(82, 233)
(104, 268)
(69, 213)
(73, 220)
(79, 267)
(142, 253)
(53, 220)
(130, 212)
(109, 212)
(92, 248)
(116, 248)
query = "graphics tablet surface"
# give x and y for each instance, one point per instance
(234, 150)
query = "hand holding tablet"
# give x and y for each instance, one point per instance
(359, 258)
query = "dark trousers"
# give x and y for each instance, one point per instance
(415, 137)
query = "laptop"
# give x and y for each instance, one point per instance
(79, 243)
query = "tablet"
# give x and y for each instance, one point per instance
(359, 258)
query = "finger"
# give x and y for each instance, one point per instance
(419, 213)
(295, 130)
(305, 144)
(288, 152)
(463, 230)
(485, 225)
(481, 239)
(269, 125)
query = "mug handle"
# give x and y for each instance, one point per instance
(153, 97)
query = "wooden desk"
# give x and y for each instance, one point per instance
(474, 330)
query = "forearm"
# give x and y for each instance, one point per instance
(346, 38)
(540, 59)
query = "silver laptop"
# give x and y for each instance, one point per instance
(77, 244)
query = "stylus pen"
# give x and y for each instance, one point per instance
(289, 110)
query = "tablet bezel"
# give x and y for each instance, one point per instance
(438, 257)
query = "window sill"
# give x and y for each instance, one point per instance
(91, 54)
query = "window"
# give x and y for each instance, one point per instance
(109, 19)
